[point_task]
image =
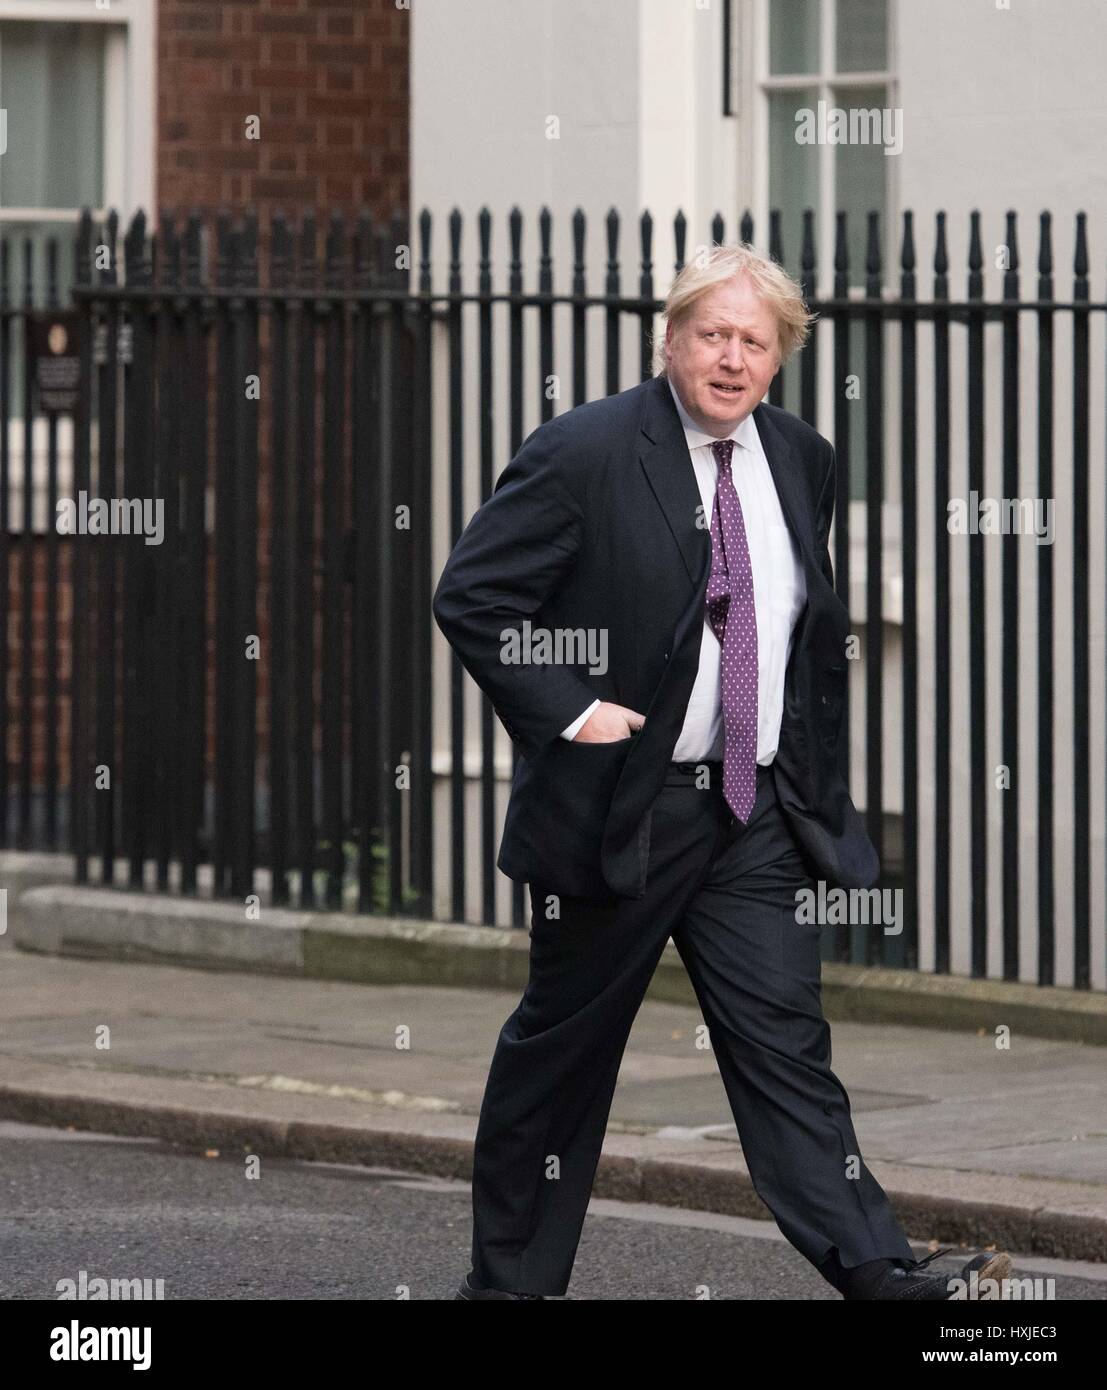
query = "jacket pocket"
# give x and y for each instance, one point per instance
(558, 812)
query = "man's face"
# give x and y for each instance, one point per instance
(730, 340)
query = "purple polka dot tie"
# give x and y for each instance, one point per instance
(733, 619)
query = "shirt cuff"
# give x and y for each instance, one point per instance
(574, 727)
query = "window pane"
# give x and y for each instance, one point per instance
(52, 86)
(794, 36)
(860, 176)
(862, 40)
(17, 234)
(793, 170)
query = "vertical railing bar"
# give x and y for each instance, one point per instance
(167, 418)
(278, 661)
(1081, 704)
(303, 319)
(874, 576)
(909, 940)
(334, 510)
(422, 817)
(81, 691)
(224, 541)
(1046, 963)
(776, 253)
(194, 554)
(942, 621)
(515, 346)
(27, 563)
(579, 330)
(645, 294)
(839, 946)
(457, 466)
(50, 826)
(1009, 642)
(245, 513)
(485, 444)
(809, 357)
(110, 714)
(612, 315)
(399, 462)
(137, 617)
(979, 783)
(364, 774)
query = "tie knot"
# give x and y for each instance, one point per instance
(722, 449)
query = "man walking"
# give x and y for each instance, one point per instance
(689, 789)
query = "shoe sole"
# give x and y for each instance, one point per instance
(480, 1295)
(997, 1266)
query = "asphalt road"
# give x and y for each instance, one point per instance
(133, 1208)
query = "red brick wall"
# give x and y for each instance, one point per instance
(43, 733)
(328, 80)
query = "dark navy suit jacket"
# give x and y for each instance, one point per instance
(597, 524)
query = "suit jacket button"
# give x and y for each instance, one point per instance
(666, 656)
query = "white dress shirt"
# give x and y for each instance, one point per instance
(779, 594)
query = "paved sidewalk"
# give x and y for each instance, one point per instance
(973, 1144)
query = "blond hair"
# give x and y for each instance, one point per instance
(774, 285)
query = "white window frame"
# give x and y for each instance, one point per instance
(129, 143)
(130, 111)
(825, 80)
(760, 82)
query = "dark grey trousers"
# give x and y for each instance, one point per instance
(725, 893)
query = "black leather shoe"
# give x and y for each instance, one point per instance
(905, 1280)
(466, 1290)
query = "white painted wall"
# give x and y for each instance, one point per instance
(1004, 108)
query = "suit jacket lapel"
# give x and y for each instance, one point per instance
(663, 454)
(787, 476)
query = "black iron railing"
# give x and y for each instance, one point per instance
(260, 684)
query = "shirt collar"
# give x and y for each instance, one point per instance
(743, 434)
